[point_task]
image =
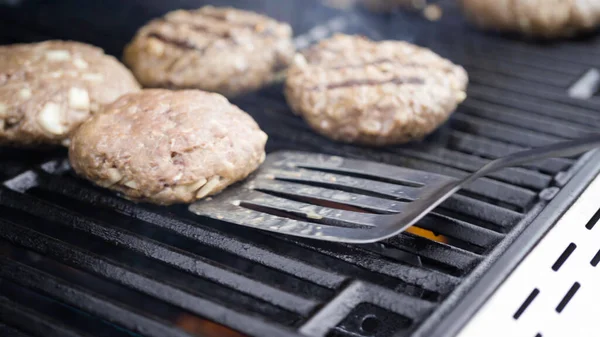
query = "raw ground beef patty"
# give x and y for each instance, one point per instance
(352, 89)
(168, 147)
(48, 89)
(224, 50)
(537, 18)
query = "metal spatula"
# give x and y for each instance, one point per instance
(345, 200)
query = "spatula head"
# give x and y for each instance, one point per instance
(325, 197)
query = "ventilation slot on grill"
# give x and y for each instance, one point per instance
(564, 256)
(526, 303)
(590, 225)
(568, 296)
(596, 259)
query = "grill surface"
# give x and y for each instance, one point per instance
(79, 261)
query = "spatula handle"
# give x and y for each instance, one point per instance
(562, 149)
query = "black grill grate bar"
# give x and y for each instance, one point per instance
(7, 331)
(249, 269)
(305, 251)
(71, 188)
(497, 55)
(426, 279)
(516, 176)
(91, 284)
(555, 80)
(542, 124)
(188, 262)
(10, 169)
(498, 60)
(477, 209)
(27, 320)
(545, 79)
(402, 270)
(461, 230)
(54, 249)
(514, 49)
(504, 133)
(487, 191)
(567, 48)
(75, 296)
(186, 282)
(532, 88)
(247, 278)
(460, 260)
(15, 161)
(536, 106)
(512, 85)
(94, 248)
(559, 54)
(496, 149)
(492, 149)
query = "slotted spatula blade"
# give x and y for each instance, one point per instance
(346, 200)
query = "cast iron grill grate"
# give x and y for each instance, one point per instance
(79, 261)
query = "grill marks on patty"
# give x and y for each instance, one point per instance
(365, 64)
(352, 76)
(396, 66)
(183, 44)
(219, 16)
(370, 82)
(397, 63)
(231, 52)
(214, 27)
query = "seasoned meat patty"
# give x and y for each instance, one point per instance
(48, 89)
(168, 147)
(352, 89)
(538, 18)
(223, 50)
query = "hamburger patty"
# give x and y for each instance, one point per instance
(538, 18)
(48, 89)
(353, 89)
(168, 147)
(223, 50)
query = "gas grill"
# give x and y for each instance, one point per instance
(77, 260)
